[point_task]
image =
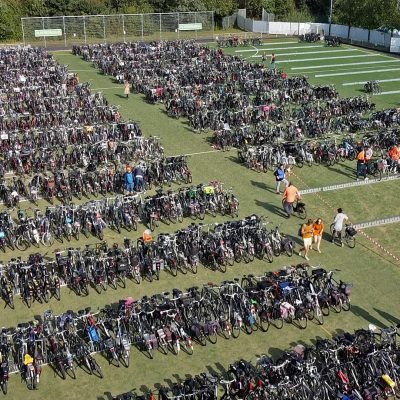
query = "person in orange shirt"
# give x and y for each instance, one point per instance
(318, 228)
(307, 231)
(290, 195)
(361, 165)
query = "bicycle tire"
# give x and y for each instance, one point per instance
(350, 241)
(346, 304)
(264, 322)
(4, 387)
(268, 254)
(21, 244)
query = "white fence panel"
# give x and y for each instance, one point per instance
(377, 38)
(320, 28)
(359, 34)
(339, 30)
(279, 28)
(260, 26)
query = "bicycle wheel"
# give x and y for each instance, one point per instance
(350, 241)
(97, 369)
(319, 315)
(346, 304)
(264, 322)
(235, 330)
(289, 249)
(269, 255)
(21, 243)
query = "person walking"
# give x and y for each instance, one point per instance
(127, 88)
(290, 195)
(340, 218)
(318, 229)
(280, 177)
(361, 166)
(273, 61)
(307, 231)
(368, 156)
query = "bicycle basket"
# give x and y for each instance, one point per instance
(94, 336)
(351, 231)
(208, 190)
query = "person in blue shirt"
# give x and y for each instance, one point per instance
(280, 177)
(129, 180)
(139, 178)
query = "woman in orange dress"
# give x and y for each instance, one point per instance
(318, 228)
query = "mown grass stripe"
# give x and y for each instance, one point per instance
(280, 48)
(377, 80)
(357, 72)
(318, 59)
(344, 65)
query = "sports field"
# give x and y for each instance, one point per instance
(347, 67)
(374, 273)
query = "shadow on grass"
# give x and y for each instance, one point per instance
(275, 353)
(390, 318)
(271, 207)
(340, 172)
(122, 96)
(360, 312)
(263, 186)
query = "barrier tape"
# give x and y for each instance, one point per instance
(363, 225)
(349, 184)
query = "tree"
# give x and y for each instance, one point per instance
(10, 20)
(35, 8)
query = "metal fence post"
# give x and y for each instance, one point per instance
(123, 26)
(84, 29)
(160, 26)
(104, 29)
(23, 30)
(65, 32)
(195, 20)
(142, 26)
(44, 36)
(177, 28)
(212, 22)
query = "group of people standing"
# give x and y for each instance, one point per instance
(134, 179)
(313, 230)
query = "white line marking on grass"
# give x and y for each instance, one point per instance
(275, 43)
(344, 65)
(334, 70)
(278, 48)
(389, 92)
(302, 53)
(358, 72)
(376, 80)
(318, 59)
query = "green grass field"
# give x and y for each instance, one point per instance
(375, 275)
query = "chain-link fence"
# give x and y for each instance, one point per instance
(66, 31)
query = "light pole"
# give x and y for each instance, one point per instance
(330, 17)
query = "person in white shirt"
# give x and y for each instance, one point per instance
(340, 218)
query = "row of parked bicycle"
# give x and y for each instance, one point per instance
(43, 94)
(121, 212)
(267, 157)
(215, 246)
(169, 323)
(363, 365)
(202, 84)
(92, 182)
(82, 156)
